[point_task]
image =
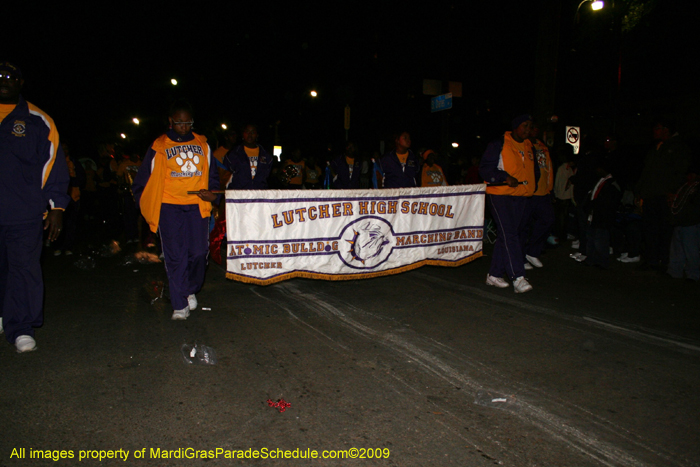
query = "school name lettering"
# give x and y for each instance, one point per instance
(283, 248)
(441, 237)
(183, 149)
(327, 211)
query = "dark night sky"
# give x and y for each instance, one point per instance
(238, 63)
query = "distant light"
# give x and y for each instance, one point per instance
(223, 125)
(277, 151)
(455, 145)
(478, 137)
(597, 5)
(314, 94)
(123, 136)
(173, 82)
(136, 120)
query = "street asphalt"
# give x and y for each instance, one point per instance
(427, 368)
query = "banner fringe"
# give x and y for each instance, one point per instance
(351, 277)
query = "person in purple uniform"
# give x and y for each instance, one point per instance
(33, 195)
(173, 189)
(249, 163)
(347, 168)
(400, 166)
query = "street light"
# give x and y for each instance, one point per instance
(595, 6)
(123, 135)
(173, 82)
(135, 120)
(223, 126)
(314, 94)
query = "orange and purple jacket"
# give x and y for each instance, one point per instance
(505, 157)
(173, 166)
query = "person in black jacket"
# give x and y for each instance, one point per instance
(603, 201)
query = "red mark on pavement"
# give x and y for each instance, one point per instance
(281, 404)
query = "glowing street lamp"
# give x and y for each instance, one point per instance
(455, 145)
(223, 125)
(174, 81)
(123, 135)
(595, 6)
(313, 93)
(136, 121)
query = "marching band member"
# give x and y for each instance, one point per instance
(508, 165)
(400, 166)
(250, 164)
(34, 177)
(179, 161)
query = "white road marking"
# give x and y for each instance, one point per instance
(641, 335)
(557, 427)
(671, 341)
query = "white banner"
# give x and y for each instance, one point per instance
(350, 234)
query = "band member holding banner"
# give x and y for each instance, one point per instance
(401, 167)
(347, 168)
(249, 163)
(508, 167)
(431, 174)
(177, 162)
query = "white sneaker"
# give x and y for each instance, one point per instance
(68, 253)
(569, 237)
(181, 314)
(534, 261)
(25, 344)
(581, 258)
(57, 253)
(192, 301)
(575, 244)
(521, 285)
(623, 256)
(633, 259)
(1, 329)
(496, 281)
(528, 266)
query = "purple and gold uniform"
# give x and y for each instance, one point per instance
(173, 166)
(432, 176)
(34, 178)
(502, 158)
(347, 171)
(400, 170)
(540, 210)
(246, 173)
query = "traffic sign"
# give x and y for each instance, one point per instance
(442, 102)
(573, 137)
